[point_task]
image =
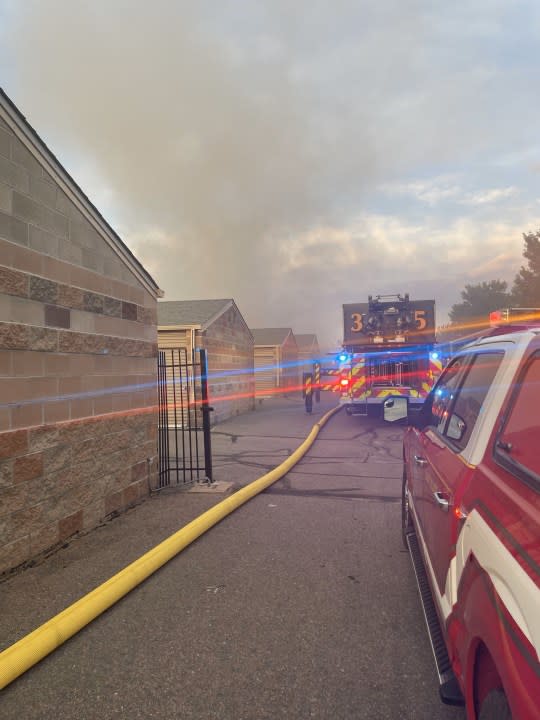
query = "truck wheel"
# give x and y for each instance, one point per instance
(406, 522)
(495, 707)
(348, 410)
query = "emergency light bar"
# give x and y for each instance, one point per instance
(507, 315)
(498, 316)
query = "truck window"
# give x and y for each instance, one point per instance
(520, 438)
(444, 394)
(471, 396)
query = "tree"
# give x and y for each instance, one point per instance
(526, 288)
(479, 300)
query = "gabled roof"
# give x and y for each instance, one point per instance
(198, 314)
(50, 163)
(270, 336)
(306, 341)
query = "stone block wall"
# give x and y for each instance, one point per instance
(78, 347)
(230, 365)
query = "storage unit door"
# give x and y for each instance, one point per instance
(179, 373)
(266, 371)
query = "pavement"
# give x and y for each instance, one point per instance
(301, 604)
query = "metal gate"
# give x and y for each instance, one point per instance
(185, 454)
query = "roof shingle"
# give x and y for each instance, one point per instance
(307, 341)
(190, 312)
(270, 336)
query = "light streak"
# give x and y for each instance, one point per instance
(141, 387)
(413, 354)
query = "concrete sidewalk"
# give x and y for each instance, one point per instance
(243, 449)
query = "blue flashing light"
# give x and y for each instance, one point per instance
(343, 357)
(434, 355)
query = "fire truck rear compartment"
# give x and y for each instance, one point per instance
(387, 373)
(394, 372)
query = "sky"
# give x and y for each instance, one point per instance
(293, 156)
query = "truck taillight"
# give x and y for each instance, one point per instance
(344, 382)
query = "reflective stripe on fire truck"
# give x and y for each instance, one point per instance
(358, 384)
(435, 369)
(402, 392)
(358, 378)
(517, 591)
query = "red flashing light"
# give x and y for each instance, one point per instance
(495, 317)
(344, 382)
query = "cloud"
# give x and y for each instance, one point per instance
(436, 190)
(240, 148)
(431, 191)
(320, 246)
(484, 197)
(380, 254)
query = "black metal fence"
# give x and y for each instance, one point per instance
(185, 454)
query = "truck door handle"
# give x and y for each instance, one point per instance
(441, 501)
(422, 462)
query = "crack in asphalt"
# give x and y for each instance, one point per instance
(248, 458)
(351, 458)
(234, 437)
(333, 493)
(372, 450)
(344, 475)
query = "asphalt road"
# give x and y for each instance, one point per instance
(301, 604)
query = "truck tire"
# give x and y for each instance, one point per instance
(495, 707)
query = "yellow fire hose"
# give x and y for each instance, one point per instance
(32, 648)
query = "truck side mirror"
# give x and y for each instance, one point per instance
(421, 418)
(395, 408)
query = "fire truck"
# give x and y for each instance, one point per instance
(389, 350)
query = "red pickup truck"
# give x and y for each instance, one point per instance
(471, 520)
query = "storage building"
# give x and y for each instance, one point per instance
(219, 328)
(78, 348)
(308, 351)
(276, 361)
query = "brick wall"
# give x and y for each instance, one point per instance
(78, 345)
(230, 364)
